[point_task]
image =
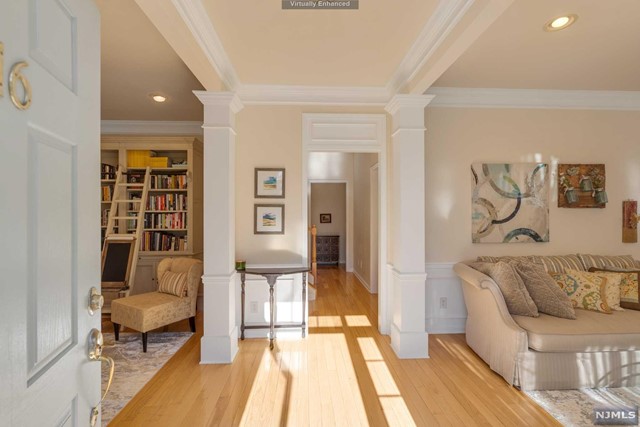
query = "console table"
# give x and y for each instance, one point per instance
(272, 274)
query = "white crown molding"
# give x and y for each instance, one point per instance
(148, 127)
(446, 16)
(534, 98)
(314, 95)
(197, 20)
(408, 101)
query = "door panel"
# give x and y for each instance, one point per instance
(51, 316)
(49, 181)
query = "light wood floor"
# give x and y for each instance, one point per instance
(344, 373)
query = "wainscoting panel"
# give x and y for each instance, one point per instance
(442, 283)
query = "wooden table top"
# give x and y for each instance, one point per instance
(274, 270)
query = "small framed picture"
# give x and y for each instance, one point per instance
(269, 183)
(268, 219)
(325, 218)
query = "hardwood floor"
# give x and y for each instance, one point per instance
(344, 373)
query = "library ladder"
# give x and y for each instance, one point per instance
(124, 204)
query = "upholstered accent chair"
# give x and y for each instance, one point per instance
(152, 310)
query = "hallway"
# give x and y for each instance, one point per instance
(344, 373)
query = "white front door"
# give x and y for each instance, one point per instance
(49, 214)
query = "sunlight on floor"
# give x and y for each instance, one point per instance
(355, 321)
(325, 322)
(394, 407)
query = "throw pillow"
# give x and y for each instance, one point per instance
(585, 290)
(612, 292)
(628, 287)
(514, 292)
(544, 291)
(173, 283)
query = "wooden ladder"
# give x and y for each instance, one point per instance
(120, 209)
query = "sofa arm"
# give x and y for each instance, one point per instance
(490, 330)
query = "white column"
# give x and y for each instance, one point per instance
(219, 343)
(408, 336)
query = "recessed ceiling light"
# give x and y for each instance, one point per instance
(560, 23)
(158, 98)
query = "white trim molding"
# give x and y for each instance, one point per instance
(195, 16)
(535, 98)
(149, 127)
(313, 95)
(447, 15)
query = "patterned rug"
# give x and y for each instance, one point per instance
(133, 367)
(575, 407)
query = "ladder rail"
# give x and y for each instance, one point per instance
(142, 206)
(114, 206)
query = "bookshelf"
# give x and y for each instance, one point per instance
(173, 217)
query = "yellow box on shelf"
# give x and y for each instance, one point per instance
(139, 158)
(159, 162)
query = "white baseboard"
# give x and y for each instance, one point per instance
(443, 325)
(362, 281)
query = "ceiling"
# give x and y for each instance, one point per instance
(137, 60)
(258, 43)
(601, 51)
(268, 45)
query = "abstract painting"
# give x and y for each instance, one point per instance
(510, 202)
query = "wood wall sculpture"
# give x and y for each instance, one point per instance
(629, 221)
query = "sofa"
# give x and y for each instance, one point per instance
(547, 352)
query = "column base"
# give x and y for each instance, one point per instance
(218, 350)
(409, 345)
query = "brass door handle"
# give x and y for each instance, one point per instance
(96, 301)
(96, 341)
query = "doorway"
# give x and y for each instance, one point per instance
(328, 212)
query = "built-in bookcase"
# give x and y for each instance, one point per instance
(173, 218)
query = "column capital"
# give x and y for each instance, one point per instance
(400, 101)
(220, 99)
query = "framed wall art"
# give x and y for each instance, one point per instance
(269, 183)
(325, 218)
(268, 219)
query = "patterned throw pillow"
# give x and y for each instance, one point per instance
(629, 295)
(173, 283)
(605, 261)
(514, 292)
(612, 291)
(544, 291)
(585, 290)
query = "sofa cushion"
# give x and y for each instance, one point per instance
(601, 261)
(514, 292)
(586, 290)
(629, 295)
(505, 258)
(559, 263)
(544, 291)
(590, 332)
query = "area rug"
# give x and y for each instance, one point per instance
(133, 367)
(575, 407)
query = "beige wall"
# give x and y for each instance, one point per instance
(362, 215)
(457, 137)
(271, 136)
(331, 199)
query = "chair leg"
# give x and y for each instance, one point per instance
(192, 323)
(144, 342)
(116, 331)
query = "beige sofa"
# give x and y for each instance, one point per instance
(550, 353)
